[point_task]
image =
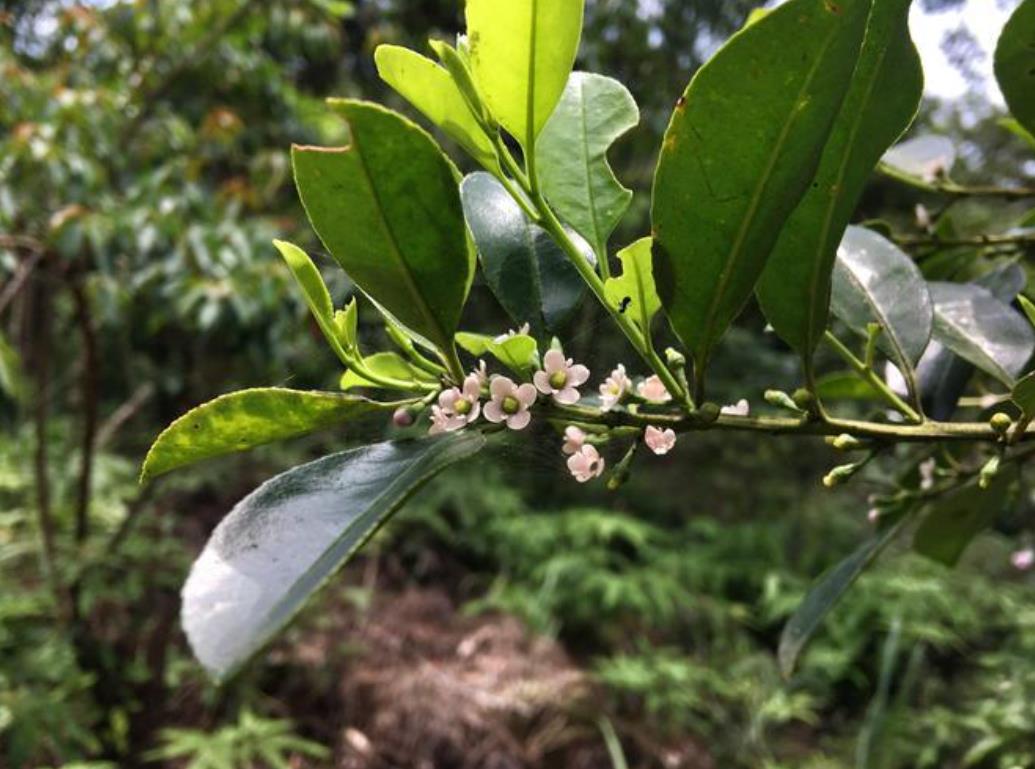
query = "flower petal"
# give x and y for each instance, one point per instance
(526, 395)
(578, 375)
(569, 396)
(542, 382)
(520, 420)
(554, 361)
(494, 412)
(501, 387)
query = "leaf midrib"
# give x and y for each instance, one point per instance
(737, 250)
(878, 313)
(812, 337)
(396, 250)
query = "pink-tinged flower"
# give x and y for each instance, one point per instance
(561, 377)
(586, 464)
(574, 439)
(660, 441)
(741, 409)
(523, 330)
(510, 403)
(1024, 559)
(653, 389)
(457, 407)
(614, 388)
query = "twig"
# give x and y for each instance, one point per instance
(20, 279)
(952, 189)
(1025, 240)
(124, 414)
(90, 397)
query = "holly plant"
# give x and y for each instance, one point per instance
(760, 174)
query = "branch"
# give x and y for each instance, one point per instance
(928, 432)
(90, 397)
(952, 189)
(1022, 240)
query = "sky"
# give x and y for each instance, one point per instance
(984, 19)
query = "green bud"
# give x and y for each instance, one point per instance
(842, 474)
(623, 469)
(781, 400)
(804, 399)
(989, 472)
(708, 413)
(675, 358)
(1001, 423)
(846, 442)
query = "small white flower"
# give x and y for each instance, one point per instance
(873, 516)
(561, 377)
(653, 389)
(510, 403)
(741, 409)
(614, 389)
(923, 217)
(1024, 559)
(660, 441)
(574, 439)
(586, 464)
(441, 422)
(927, 471)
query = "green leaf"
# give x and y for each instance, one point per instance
(826, 593)
(974, 324)
(522, 52)
(388, 209)
(1015, 64)
(594, 112)
(284, 541)
(881, 103)
(244, 420)
(875, 282)
(1028, 307)
(317, 297)
(634, 292)
(430, 88)
(956, 518)
(1013, 126)
(1023, 395)
(529, 274)
(518, 352)
(924, 158)
(846, 385)
(388, 365)
(743, 146)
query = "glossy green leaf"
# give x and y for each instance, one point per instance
(521, 53)
(925, 158)
(955, 519)
(430, 88)
(875, 282)
(1028, 307)
(388, 210)
(743, 146)
(846, 385)
(974, 324)
(388, 365)
(518, 352)
(594, 112)
(529, 274)
(1015, 64)
(881, 103)
(285, 540)
(633, 293)
(317, 297)
(825, 594)
(244, 420)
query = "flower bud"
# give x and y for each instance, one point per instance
(675, 358)
(781, 400)
(989, 473)
(840, 475)
(804, 399)
(403, 417)
(1001, 423)
(846, 442)
(708, 413)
